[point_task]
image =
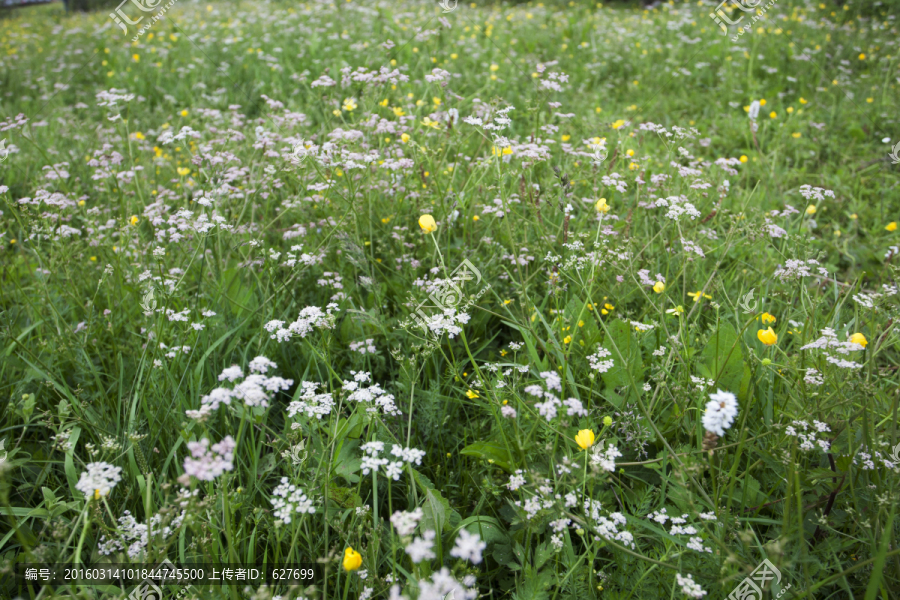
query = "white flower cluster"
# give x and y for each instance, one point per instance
(392, 468)
(533, 505)
(363, 347)
(422, 548)
(867, 460)
(815, 193)
(720, 412)
(558, 526)
(500, 121)
(405, 522)
(373, 395)
(600, 361)
(605, 458)
(443, 585)
(829, 341)
(207, 463)
(638, 326)
(549, 408)
(609, 530)
(310, 403)
(99, 479)
(446, 322)
(310, 318)
(288, 499)
(468, 547)
(689, 587)
(679, 528)
(256, 390)
(795, 269)
(678, 206)
(702, 383)
(516, 481)
(134, 536)
(813, 377)
(808, 440)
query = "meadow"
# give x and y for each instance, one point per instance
(529, 301)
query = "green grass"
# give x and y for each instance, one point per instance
(98, 212)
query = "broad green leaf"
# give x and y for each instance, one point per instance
(435, 512)
(266, 464)
(724, 358)
(490, 451)
(487, 528)
(621, 338)
(542, 555)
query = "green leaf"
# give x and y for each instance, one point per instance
(878, 567)
(724, 358)
(69, 463)
(620, 337)
(542, 555)
(427, 486)
(346, 463)
(49, 497)
(435, 511)
(266, 464)
(490, 451)
(488, 529)
(503, 554)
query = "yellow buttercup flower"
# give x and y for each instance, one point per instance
(585, 439)
(677, 311)
(767, 337)
(811, 209)
(602, 206)
(892, 226)
(352, 559)
(767, 319)
(698, 295)
(133, 220)
(472, 395)
(659, 287)
(427, 223)
(349, 104)
(858, 338)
